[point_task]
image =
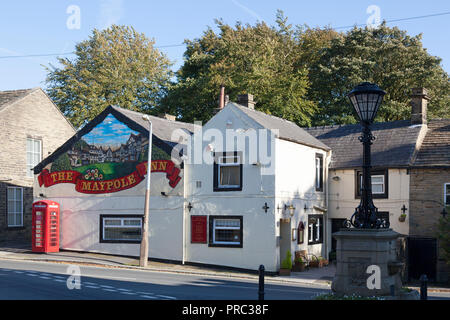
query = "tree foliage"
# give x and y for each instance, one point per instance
(386, 56)
(117, 66)
(259, 59)
(303, 74)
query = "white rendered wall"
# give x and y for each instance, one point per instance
(342, 202)
(295, 184)
(80, 217)
(259, 241)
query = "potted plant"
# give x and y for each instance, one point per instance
(286, 265)
(299, 265)
(322, 262)
(314, 263)
(402, 217)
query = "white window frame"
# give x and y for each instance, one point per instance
(122, 225)
(315, 227)
(383, 184)
(214, 241)
(446, 194)
(15, 213)
(319, 178)
(371, 179)
(30, 155)
(233, 164)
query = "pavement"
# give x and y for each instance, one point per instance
(314, 276)
(19, 251)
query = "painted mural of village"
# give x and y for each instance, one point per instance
(109, 151)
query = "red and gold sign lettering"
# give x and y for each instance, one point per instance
(48, 179)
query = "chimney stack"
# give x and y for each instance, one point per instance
(167, 116)
(419, 102)
(246, 100)
(222, 97)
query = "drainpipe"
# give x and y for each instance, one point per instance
(183, 257)
(327, 194)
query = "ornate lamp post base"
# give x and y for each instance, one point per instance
(367, 264)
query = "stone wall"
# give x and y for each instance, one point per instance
(33, 116)
(426, 204)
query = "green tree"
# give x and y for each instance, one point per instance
(61, 163)
(387, 56)
(117, 66)
(259, 59)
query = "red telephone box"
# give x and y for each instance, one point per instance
(45, 226)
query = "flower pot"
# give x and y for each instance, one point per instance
(299, 267)
(285, 272)
(402, 218)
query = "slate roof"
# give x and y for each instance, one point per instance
(435, 148)
(162, 128)
(287, 130)
(10, 96)
(394, 146)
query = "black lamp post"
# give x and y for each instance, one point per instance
(366, 98)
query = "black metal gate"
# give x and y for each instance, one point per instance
(422, 258)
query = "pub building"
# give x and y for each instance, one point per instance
(233, 211)
(98, 178)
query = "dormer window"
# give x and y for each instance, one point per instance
(228, 171)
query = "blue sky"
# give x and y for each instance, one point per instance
(111, 132)
(41, 27)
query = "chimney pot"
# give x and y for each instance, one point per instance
(222, 97)
(419, 102)
(246, 100)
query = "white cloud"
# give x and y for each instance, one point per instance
(248, 10)
(111, 11)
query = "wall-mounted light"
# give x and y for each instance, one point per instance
(336, 178)
(291, 209)
(189, 206)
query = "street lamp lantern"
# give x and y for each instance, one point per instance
(366, 98)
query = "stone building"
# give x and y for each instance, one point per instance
(410, 178)
(31, 127)
(430, 194)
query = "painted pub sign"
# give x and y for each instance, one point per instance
(109, 158)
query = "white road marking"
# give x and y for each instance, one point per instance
(110, 290)
(32, 275)
(46, 278)
(130, 293)
(166, 297)
(59, 280)
(123, 290)
(91, 283)
(109, 287)
(148, 297)
(108, 277)
(19, 272)
(92, 287)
